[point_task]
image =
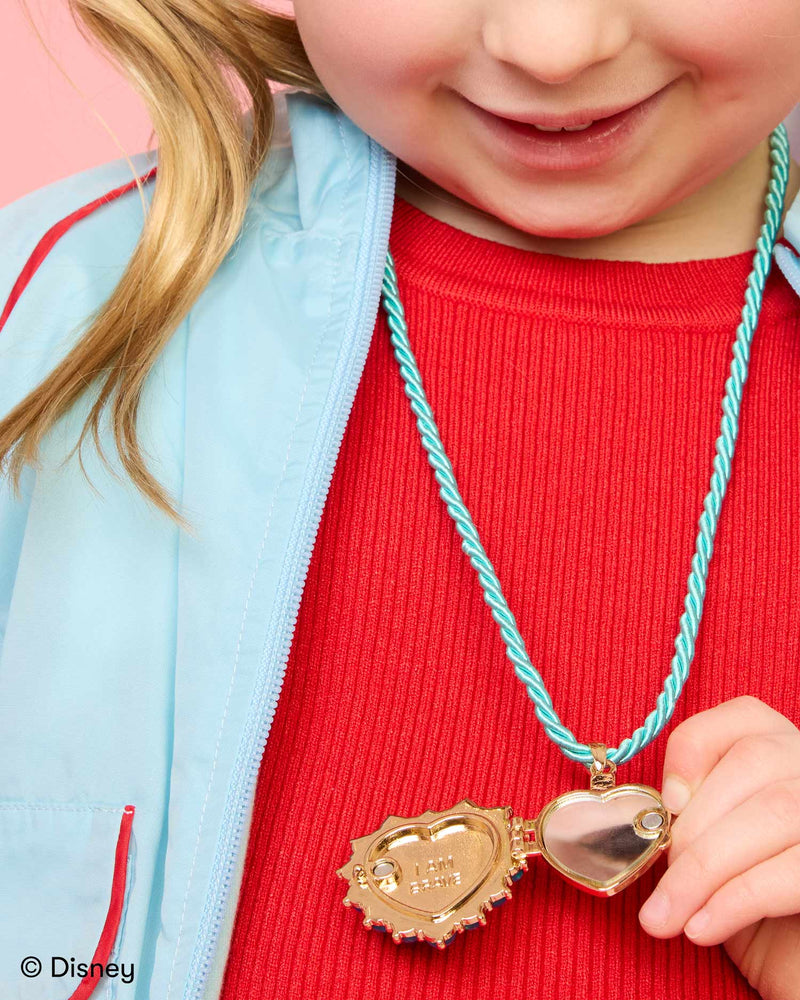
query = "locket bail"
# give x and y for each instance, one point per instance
(602, 770)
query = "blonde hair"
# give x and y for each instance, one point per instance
(185, 58)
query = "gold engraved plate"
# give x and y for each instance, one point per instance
(430, 877)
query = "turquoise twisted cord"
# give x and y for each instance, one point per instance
(725, 444)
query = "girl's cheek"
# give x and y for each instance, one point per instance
(730, 39)
(407, 44)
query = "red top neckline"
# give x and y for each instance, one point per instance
(706, 292)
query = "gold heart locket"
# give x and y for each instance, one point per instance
(433, 876)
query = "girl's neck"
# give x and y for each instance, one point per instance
(722, 218)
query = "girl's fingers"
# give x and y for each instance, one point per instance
(771, 889)
(729, 751)
(766, 826)
(751, 765)
(696, 745)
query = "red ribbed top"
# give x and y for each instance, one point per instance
(579, 402)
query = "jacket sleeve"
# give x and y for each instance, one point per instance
(63, 247)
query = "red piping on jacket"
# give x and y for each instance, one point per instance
(111, 926)
(54, 233)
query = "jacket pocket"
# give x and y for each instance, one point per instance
(65, 870)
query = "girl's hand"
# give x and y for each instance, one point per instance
(733, 873)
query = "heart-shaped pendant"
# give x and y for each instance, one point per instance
(601, 841)
(429, 877)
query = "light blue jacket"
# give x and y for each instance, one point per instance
(140, 666)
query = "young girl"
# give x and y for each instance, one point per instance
(486, 270)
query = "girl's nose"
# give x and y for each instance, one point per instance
(554, 40)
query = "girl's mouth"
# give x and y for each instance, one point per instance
(577, 147)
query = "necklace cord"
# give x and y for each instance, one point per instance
(725, 445)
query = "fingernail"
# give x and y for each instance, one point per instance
(656, 910)
(698, 923)
(675, 794)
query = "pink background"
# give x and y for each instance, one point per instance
(49, 130)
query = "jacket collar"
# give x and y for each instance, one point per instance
(787, 259)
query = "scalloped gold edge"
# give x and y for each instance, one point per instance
(380, 915)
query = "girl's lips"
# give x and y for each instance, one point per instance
(562, 150)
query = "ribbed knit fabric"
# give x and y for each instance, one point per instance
(579, 403)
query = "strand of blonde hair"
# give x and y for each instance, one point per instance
(187, 59)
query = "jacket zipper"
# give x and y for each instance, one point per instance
(358, 334)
